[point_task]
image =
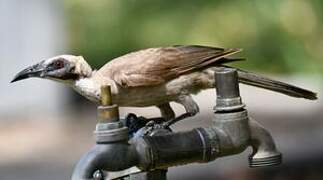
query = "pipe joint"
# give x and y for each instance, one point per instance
(233, 131)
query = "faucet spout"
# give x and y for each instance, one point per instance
(264, 148)
(111, 157)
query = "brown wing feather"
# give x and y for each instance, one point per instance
(157, 65)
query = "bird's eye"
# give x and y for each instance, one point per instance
(59, 64)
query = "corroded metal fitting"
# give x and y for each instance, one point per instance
(107, 112)
(109, 128)
(111, 135)
(227, 86)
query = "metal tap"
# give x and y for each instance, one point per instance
(112, 148)
(231, 133)
(109, 127)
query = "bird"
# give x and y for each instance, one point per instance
(154, 76)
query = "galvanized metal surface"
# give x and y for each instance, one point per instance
(160, 174)
(232, 132)
(227, 87)
(109, 129)
(264, 148)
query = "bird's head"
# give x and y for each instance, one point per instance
(63, 68)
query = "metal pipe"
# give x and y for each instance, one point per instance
(112, 150)
(227, 90)
(107, 112)
(228, 135)
(162, 151)
(106, 97)
(231, 133)
(112, 157)
(226, 84)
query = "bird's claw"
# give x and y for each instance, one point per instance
(141, 126)
(153, 126)
(149, 128)
(134, 123)
(150, 123)
(177, 119)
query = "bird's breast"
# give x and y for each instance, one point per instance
(148, 95)
(88, 88)
(166, 92)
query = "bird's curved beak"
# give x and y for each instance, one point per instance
(36, 70)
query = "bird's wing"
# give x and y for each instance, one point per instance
(157, 65)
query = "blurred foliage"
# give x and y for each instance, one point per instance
(277, 36)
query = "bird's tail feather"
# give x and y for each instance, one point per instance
(277, 86)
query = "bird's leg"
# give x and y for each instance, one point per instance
(166, 111)
(134, 123)
(190, 106)
(176, 119)
(168, 115)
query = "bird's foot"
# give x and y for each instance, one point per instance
(153, 128)
(134, 123)
(139, 126)
(153, 125)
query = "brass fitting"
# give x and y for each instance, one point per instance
(109, 128)
(107, 112)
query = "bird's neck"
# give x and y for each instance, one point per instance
(88, 87)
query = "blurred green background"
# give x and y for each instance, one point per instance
(45, 128)
(277, 36)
